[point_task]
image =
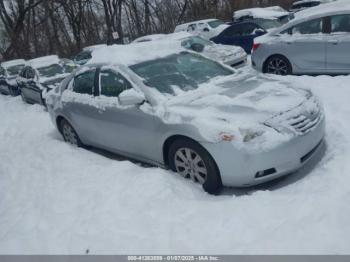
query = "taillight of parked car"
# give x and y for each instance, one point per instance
(255, 46)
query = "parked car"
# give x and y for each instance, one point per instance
(85, 55)
(317, 41)
(233, 56)
(206, 28)
(243, 33)
(8, 73)
(272, 12)
(300, 5)
(180, 110)
(41, 75)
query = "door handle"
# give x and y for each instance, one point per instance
(333, 42)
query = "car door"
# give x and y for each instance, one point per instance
(80, 107)
(125, 129)
(29, 87)
(305, 47)
(338, 44)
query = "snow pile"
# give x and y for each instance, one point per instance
(263, 13)
(57, 199)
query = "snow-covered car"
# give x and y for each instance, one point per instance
(300, 5)
(316, 41)
(42, 74)
(205, 28)
(8, 73)
(85, 55)
(272, 12)
(178, 109)
(234, 56)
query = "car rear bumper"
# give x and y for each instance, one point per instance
(243, 169)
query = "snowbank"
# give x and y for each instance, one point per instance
(57, 199)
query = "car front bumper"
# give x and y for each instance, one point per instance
(243, 169)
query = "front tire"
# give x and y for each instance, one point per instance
(191, 160)
(69, 134)
(278, 65)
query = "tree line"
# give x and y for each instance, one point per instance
(32, 28)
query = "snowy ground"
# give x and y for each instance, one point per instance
(55, 198)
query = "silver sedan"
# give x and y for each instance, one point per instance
(198, 117)
(317, 41)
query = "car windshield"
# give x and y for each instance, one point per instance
(268, 23)
(14, 70)
(216, 23)
(51, 70)
(187, 43)
(184, 71)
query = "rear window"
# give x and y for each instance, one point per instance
(216, 23)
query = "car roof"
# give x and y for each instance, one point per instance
(198, 22)
(340, 6)
(44, 61)
(272, 12)
(131, 54)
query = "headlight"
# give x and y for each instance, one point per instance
(249, 135)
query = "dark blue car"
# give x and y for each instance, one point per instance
(243, 33)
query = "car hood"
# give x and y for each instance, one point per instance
(233, 104)
(224, 52)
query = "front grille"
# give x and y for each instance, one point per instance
(302, 119)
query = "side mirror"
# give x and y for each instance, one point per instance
(131, 97)
(197, 47)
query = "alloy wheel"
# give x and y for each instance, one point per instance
(277, 66)
(69, 134)
(189, 164)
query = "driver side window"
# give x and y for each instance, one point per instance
(84, 83)
(112, 84)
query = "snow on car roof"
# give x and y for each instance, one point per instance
(265, 13)
(13, 63)
(148, 38)
(197, 22)
(327, 8)
(93, 47)
(135, 53)
(44, 61)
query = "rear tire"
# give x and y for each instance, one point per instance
(191, 160)
(278, 65)
(69, 134)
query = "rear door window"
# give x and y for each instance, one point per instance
(84, 83)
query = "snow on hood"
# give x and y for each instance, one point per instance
(44, 61)
(13, 63)
(135, 53)
(263, 13)
(233, 105)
